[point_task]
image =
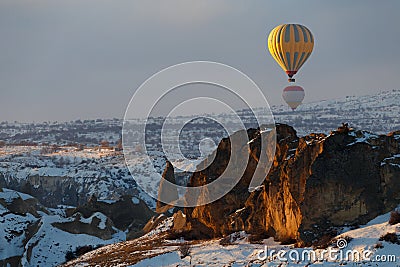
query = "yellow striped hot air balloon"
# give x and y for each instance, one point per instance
(290, 45)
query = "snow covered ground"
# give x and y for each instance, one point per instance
(357, 247)
(363, 242)
(88, 171)
(377, 113)
(49, 246)
(33, 236)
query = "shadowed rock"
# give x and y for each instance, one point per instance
(167, 192)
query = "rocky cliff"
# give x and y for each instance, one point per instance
(316, 183)
(167, 192)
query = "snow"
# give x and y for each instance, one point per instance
(108, 201)
(50, 244)
(135, 200)
(366, 136)
(167, 259)
(12, 233)
(393, 161)
(9, 195)
(257, 188)
(162, 227)
(240, 210)
(241, 253)
(51, 171)
(180, 166)
(99, 215)
(103, 174)
(376, 113)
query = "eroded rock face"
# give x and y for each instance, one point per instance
(315, 183)
(97, 225)
(14, 203)
(167, 191)
(128, 213)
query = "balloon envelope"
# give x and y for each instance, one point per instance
(293, 96)
(290, 45)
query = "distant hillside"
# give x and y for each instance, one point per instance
(378, 113)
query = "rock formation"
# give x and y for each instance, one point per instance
(316, 183)
(128, 213)
(167, 191)
(97, 225)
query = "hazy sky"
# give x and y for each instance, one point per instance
(64, 60)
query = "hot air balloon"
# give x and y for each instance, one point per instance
(293, 96)
(290, 45)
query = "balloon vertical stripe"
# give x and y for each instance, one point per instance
(305, 37)
(296, 33)
(287, 33)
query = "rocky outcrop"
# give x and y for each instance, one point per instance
(167, 191)
(179, 221)
(128, 213)
(96, 225)
(17, 204)
(49, 190)
(315, 184)
(2, 181)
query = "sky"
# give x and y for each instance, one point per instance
(67, 60)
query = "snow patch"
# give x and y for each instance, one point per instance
(9, 195)
(98, 215)
(135, 200)
(108, 201)
(167, 259)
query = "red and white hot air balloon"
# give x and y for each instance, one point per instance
(293, 96)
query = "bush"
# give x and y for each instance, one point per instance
(394, 217)
(258, 238)
(390, 237)
(378, 245)
(82, 250)
(226, 241)
(79, 251)
(70, 256)
(288, 241)
(347, 238)
(184, 249)
(232, 238)
(325, 240)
